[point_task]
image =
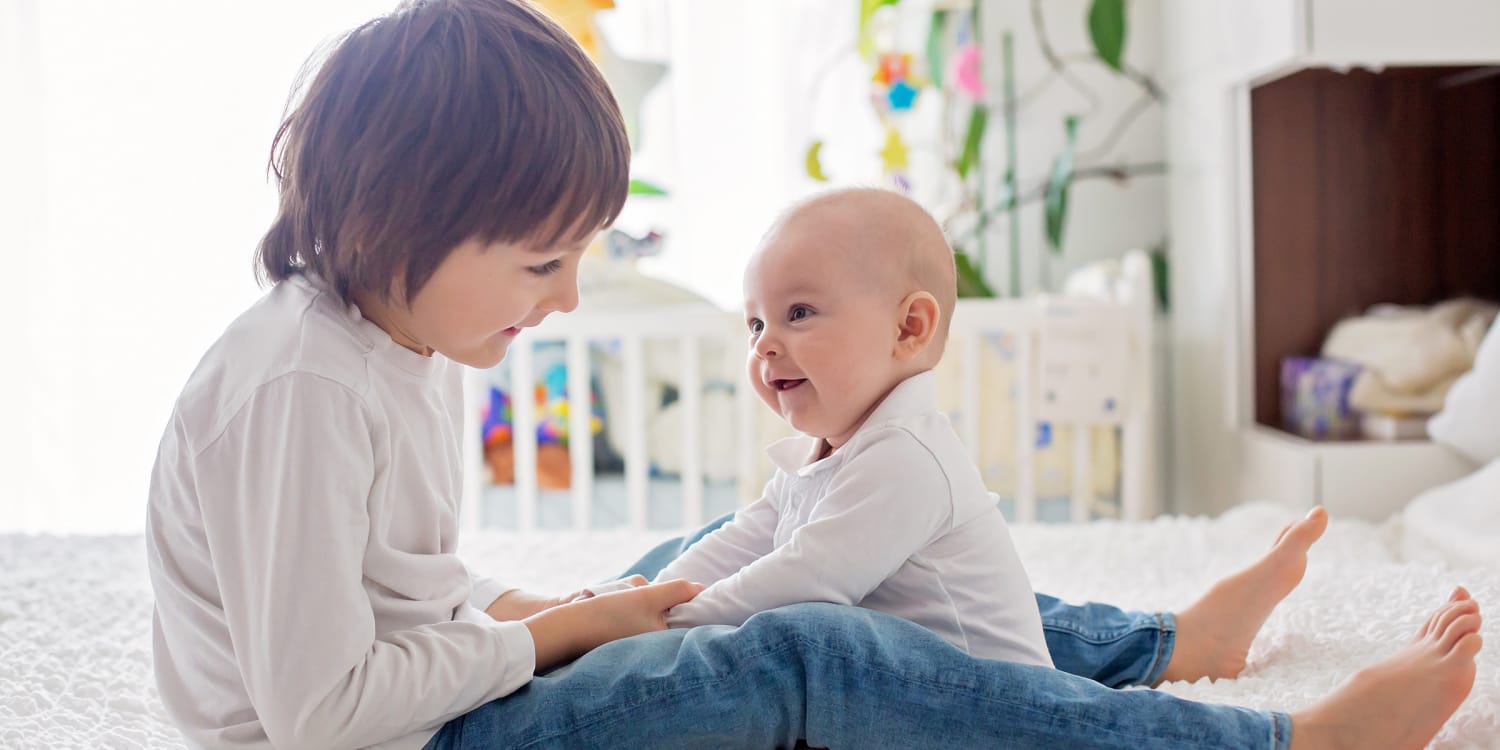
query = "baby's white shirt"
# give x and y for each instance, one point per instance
(897, 520)
(301, 530)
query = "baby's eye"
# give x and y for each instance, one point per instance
(756, 325)
(546, 268)
(799, 312)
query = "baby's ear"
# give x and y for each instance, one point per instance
(919, 318)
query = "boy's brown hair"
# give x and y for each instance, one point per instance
(443, 121)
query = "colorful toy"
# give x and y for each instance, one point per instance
(554, 469)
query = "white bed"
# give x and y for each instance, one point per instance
(75, 612)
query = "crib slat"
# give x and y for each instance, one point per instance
(1083, 475)
(635, 430)
(476, 473)
(691, 394)
(969, 415)
(580, 434)
(523, 430)
(1025, 424)
(746, 451)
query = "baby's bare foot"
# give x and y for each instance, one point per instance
(1215, 633)
(1403, 701)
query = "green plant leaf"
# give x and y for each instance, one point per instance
(1161, 274)
(867, 9)
(973, 137)
(970, 280)
(641, 187)
(1107, 30)
(1058, 184)
(935, 60)
(1005, 198)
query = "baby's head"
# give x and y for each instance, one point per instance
(444, 168)
(849, 293)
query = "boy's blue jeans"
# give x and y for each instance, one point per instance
(846, 677)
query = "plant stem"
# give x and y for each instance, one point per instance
(1012, 166)
(984, 254)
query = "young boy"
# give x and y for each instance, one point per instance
(848, 303)
(438, 179)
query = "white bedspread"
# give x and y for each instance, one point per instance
(75, 613)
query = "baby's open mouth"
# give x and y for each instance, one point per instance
(787, 385)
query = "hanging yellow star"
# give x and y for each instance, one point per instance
(577, 18)
(893, 154)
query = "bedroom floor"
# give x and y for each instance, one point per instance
(75, 637)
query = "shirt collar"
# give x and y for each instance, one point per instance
(914, 396)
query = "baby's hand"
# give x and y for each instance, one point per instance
(607, 587)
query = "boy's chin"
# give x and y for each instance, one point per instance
(481, 359)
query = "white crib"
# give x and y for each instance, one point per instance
(1077, 363)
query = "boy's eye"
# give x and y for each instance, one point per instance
(756, 325)
(547, 268)
(799, 312)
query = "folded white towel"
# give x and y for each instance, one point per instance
(1410, 355)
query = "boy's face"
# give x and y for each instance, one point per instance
(823, 331)
(481, 296)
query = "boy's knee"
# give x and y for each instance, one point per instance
(814, 622)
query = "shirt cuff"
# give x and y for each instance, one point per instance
(520, 655)
(484, 591)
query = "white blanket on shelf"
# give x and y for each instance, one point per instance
(75, 613)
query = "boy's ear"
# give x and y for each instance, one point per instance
(919, 317)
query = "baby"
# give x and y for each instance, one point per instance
(848, 301)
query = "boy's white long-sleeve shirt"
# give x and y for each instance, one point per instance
(897, 520)
(301, 530)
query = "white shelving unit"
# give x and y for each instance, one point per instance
(1215, 51)
(1364, 479)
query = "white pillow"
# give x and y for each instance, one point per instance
(1470, 420)
(1458, 523)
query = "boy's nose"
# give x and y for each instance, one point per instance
(766, 348)
(565, 300)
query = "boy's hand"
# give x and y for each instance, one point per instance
(564, 633)
(641, 609)
(519, 605)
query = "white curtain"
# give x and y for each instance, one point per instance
(135, 140)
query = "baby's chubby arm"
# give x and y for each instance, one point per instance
(886, 504)
(746, 538)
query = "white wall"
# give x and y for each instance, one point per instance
(1106, 218)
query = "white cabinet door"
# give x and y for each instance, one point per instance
(1404, 32)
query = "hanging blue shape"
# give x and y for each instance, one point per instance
(901, 95)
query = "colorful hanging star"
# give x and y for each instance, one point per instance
(965, 72)
(577, 18)
(894, 66)
(893, 154)
(901, 95)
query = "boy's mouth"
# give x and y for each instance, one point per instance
(783, 384)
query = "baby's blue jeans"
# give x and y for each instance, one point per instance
(846, 677)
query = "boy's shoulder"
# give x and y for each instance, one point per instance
(295, 328)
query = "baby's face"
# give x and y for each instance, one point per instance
(823, 331)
